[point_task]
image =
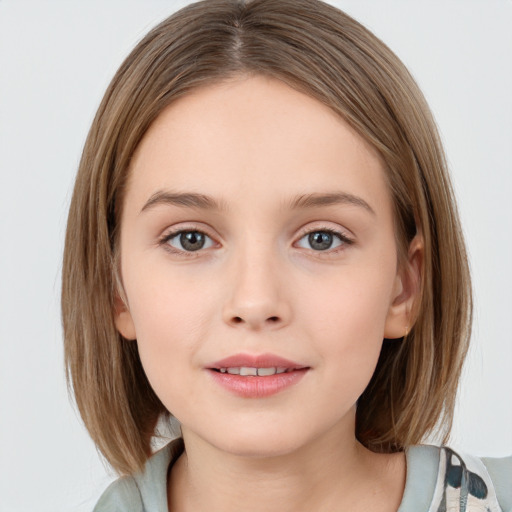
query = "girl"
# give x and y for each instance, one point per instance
(263, 242)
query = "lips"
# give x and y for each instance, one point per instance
(256, 361)
(256, 376)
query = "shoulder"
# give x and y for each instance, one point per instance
(121, 496)
(500, 471)
(143, 491)
(460, 481)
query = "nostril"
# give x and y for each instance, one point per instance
(237, 320)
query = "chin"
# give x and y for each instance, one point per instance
(258, 440)
(260, 446)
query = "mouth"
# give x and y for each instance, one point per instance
(251, 371)
(258, 376)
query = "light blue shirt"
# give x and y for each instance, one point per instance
(438, 480)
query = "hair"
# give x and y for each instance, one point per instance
(322, 52)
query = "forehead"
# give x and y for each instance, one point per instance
(254, 140)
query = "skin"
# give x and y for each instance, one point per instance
(259, 286)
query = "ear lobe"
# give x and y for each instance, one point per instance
(123, 319)
(406, 292)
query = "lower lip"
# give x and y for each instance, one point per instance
(257, 387)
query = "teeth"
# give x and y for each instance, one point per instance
(266, 371)
(246, 371)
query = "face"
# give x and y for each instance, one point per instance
(259, 266)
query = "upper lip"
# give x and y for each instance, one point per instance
(255, 361)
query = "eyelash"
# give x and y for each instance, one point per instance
(164, 241)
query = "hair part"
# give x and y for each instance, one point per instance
(324, 53)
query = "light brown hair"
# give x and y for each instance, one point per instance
(318, 50)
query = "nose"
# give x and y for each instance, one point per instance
(257, 296)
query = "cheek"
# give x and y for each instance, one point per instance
(165, 300)
(171, 319)
(353, 300)
(347, 320)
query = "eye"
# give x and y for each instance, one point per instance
(324, 239)
(188, 240)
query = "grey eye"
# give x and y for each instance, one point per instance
(190, 241)
(321, 240)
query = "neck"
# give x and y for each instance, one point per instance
(314, 477)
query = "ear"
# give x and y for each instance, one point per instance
(123, 319)
(406, 292)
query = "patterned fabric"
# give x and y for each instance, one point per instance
(438, 480)
(463, 485)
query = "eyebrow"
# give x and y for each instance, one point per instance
(328, 199)
(204, 202)
(184, 199)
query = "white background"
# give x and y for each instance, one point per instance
(56, 59)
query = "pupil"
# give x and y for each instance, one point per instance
(192, 240)
(320, 240)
